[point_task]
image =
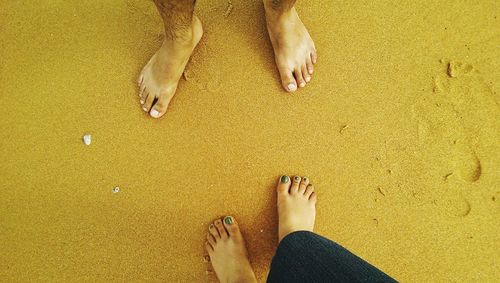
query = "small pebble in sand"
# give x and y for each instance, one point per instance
(87, 139)
(261, 230)
(116, 189)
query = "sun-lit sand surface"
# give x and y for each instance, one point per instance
(399, 131)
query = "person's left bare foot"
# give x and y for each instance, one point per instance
(226, 247)
(294, 50)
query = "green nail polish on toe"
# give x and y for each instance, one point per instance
(228, 220)
(284, 179)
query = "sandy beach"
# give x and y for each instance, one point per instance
(399, 130)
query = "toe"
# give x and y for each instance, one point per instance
(298, 76)
(142, 91)
(288, 80)
(231, 226)
(314, 56)
(140, 79)
(221, 229)
(309, 65)
(208, 247)
(284, 185)
(313, 198)
(213, 231)
(303, 185)
(211, 240)
(148, 102)
(161, 105)
(305, 73)
(309, 190)
(295, 185)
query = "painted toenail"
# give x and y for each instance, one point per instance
(297, 178)
(292, 87)
(302, 85)
(308, 79)
(284, 179)
(155, 113)
(228, 220)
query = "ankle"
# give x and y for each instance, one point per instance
(277, 16)
(180, 36)
(277, 7)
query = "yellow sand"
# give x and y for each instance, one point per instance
(399, 131)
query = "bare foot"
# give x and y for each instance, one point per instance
(294, 50)
(159, 78)
(227, 251)
(296, 205)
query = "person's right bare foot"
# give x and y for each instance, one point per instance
(159, 78)
(296, 205)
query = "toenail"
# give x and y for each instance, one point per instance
(155, 113)
(292, 87)
(145, 109)
(308, 79)
(297, 178)
(228, 220)
(302, 85)
(284, 179)
(142, 101)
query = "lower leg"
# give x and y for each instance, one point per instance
(279, 6)
(177, 18)
(294, 50)
(159, 78)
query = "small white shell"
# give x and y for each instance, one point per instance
(87, 139)
(116, 189)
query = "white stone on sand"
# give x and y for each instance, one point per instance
(87, 139)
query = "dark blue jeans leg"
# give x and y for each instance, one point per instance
(307, 257)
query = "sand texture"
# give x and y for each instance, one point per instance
(399, 130)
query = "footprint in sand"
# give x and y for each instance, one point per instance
(466, 106)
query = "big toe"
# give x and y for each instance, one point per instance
(288, 80)
(284, 185)
(161, 105)
(231, 226)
